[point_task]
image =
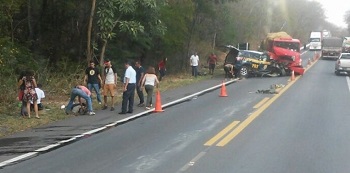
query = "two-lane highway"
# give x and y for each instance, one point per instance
(301, 129)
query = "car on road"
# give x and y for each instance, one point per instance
(343, 64)
(252, 63)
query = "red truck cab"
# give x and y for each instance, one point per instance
(287, 52)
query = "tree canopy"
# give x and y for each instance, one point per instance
(56, 32)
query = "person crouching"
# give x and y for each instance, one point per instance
(81, 92)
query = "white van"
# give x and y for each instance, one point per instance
(315, 40)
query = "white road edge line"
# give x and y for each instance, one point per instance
(348, 81)
(51, 146)
(18, 158)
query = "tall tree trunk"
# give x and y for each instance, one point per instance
(102, 55)
(88, 46)
(214, 41)
(30, 28)
(192, 30)
(103, 50)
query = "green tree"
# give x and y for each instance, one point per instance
(347, 19)
(118, 16)
(9, 9)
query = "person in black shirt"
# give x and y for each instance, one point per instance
(140, 72)
(93, 80)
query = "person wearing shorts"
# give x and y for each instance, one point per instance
(212, 60)
(109, 84)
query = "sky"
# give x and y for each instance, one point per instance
(335, 11)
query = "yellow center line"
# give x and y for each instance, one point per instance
(221, 133)
(261, 102)
(255, 114)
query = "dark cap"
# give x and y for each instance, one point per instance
(107, 60)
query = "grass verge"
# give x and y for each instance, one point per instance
(11, 121)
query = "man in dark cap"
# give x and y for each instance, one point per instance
(109, 83)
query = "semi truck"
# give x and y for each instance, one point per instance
(315, 40)
(285, 50)
(331, 47)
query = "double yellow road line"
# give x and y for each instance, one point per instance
(233, 129)
(229, 132)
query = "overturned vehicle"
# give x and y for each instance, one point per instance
(249, 63)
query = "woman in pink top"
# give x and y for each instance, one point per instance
(148, 82)
(80, 91)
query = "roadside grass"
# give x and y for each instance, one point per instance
(57, 92)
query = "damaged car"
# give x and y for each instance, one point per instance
(249, 63)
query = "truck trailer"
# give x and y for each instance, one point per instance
(331, 47)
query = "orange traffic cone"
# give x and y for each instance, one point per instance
(309, 62)
(315, 57)
(292, 77)
(223, 90)
(158, 107)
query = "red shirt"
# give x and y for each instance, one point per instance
(86, 90)
(161, 65)
(212, 59)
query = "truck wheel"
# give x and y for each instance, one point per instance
(337, 73)
(244, 72)
(283, 72)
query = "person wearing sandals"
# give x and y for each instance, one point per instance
(148, 82)
(29, 94)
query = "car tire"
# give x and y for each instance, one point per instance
(337, 73)
(244, 72)
(283, 72)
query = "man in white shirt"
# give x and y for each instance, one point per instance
(128, 89)
(40, 93)
(194, 61)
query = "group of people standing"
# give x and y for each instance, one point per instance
(194, 62)
(135, 78)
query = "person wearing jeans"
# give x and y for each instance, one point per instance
(148, 82)
(140, 72)
(81, 92)
(96, 88)
(194, 62)
(93, 79)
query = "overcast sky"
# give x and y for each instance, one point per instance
(335, 10)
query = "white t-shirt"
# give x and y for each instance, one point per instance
(110, 76)
(40, 93)
(150, 79)
(194, 60)
(130, 73)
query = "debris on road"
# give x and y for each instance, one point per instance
(272, 89)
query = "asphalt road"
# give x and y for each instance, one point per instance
(301, 129)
